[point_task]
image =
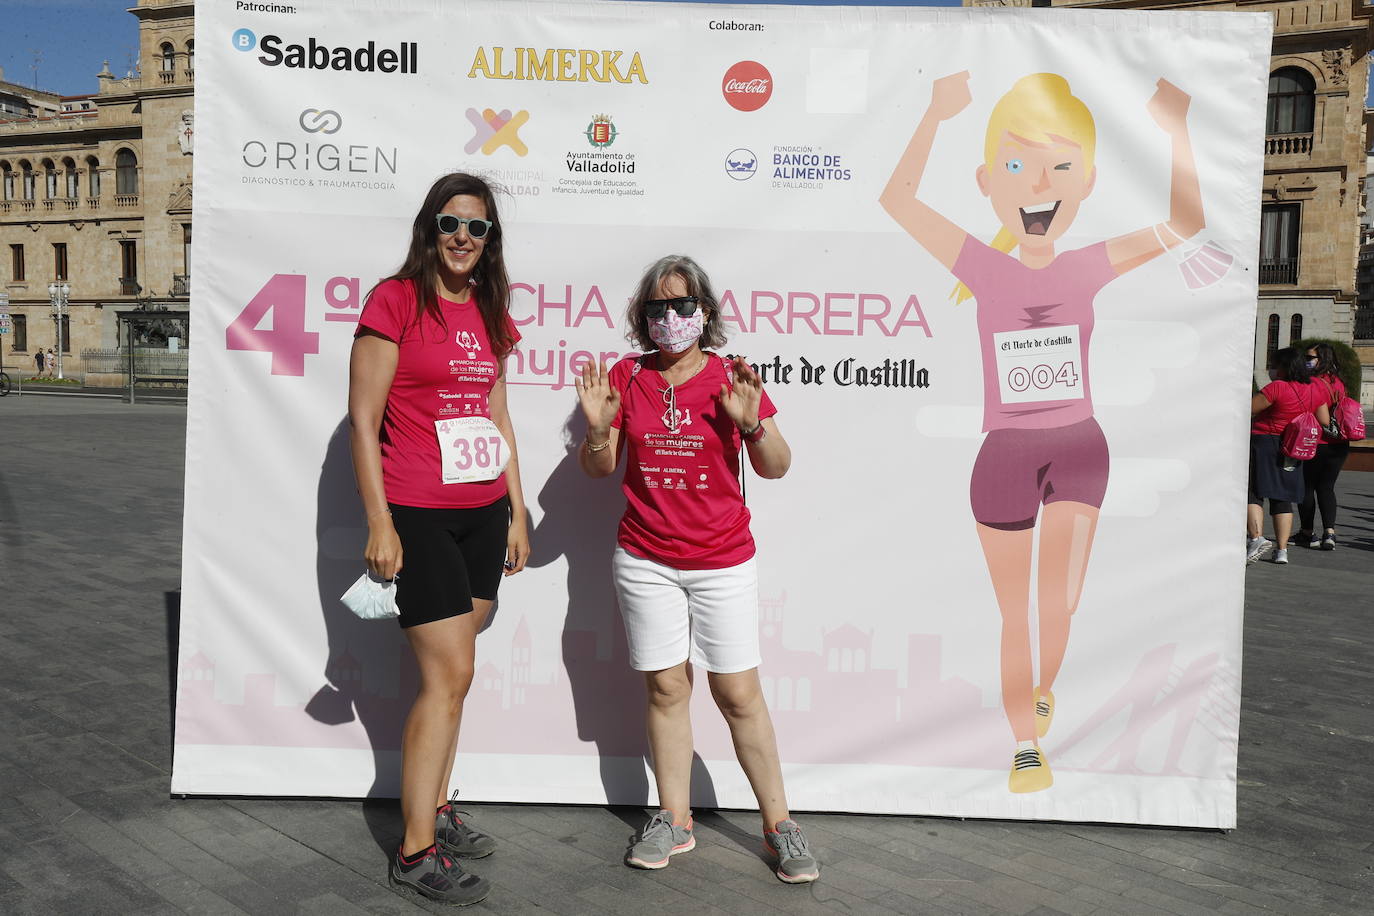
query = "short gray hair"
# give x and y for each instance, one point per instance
(698, 284)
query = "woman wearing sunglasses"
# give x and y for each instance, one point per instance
(684, 565)
(434, 455)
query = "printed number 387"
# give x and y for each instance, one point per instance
(484, 452)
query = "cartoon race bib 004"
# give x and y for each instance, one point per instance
(471, 449)
(1039, 364)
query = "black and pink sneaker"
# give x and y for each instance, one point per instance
(438, 876)
(458, 838)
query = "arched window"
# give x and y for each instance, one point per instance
(1294, 329)
(1271, 345)
(92, 176)
(169, 57)
(1291, 94)
(191, 56)
(49, 179)
(6, 181)
(126, 172)
(73, 179)
(28, 179)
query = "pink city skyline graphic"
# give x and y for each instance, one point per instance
(829, 707)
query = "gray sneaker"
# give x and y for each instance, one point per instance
(458, 838)
(796, 865)
(1256, 548)
(660, 840)
(438, 876)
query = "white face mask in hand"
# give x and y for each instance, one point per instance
(371, 598)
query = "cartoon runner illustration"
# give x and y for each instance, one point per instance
(1035, 323)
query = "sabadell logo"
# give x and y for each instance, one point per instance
(316, 56)
(747, 85)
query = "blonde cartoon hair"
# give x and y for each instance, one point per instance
(1042, 109)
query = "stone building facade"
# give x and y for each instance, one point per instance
(95, 191)
(1314, 161)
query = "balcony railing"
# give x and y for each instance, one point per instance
(1364, 323)
(1288, 144)
(1278, 270)
(167, 76)
(126, 200)
(93, 203)
(181, 284)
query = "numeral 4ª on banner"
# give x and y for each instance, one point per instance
(287, 339)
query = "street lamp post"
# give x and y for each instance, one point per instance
(57, 298)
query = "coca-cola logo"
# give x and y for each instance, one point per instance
(747, 85)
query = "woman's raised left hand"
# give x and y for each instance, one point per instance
(741, 403)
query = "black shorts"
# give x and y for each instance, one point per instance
(448, 557)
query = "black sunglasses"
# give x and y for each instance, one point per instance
(477, 228)
(686, 306)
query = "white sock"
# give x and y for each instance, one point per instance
(1025, 746)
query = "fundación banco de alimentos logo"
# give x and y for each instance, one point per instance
(741, 164)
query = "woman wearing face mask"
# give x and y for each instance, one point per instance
(684, 566)
(1319, 474)
(1273, 475)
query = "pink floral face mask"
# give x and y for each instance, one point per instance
(673, 333)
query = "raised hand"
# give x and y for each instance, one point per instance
(741, 403)
(1169, 106)
(599, 398)
(949, 95)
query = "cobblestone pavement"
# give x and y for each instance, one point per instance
(90, 511)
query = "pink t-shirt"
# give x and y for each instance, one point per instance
(683, 505)
(440, 374)
(1034, 328)
(1286, 400)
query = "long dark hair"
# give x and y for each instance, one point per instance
(698, 284)
(491, 284)
(1290, 364)
(1327, 363)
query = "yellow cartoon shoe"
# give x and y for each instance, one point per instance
(1030, 772)
(1044, 712)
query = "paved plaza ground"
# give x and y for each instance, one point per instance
(90, 542)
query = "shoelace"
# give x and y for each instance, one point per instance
(1042, 706)
(791, 843)
(1025, 760)
(655, 827)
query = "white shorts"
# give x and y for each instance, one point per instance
(707, 616)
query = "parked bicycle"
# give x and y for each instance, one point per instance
(4, 384)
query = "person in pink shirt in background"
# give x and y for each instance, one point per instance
(684, 565)
(1035, 322)
(1319, 474)
(1273, 475)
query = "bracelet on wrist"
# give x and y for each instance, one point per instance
(593, 449)
(755, 434)
(372, 515)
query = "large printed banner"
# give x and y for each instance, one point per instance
(1032, 480)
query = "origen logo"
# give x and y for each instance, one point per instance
(747, 86)
(493, 130)
(245, 40)
(315, 121)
